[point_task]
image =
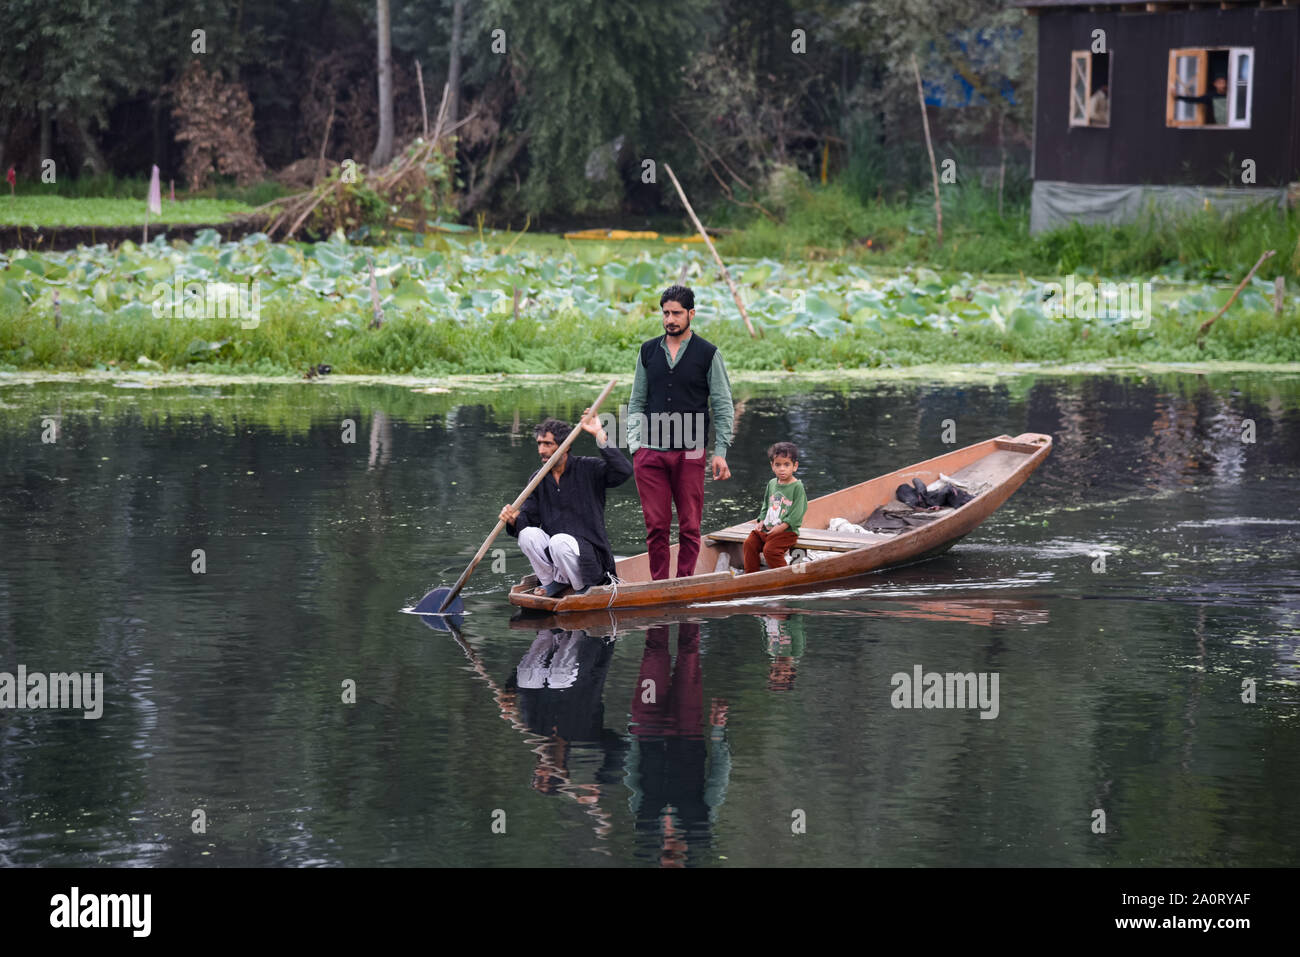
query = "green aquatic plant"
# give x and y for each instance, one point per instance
(453, 306)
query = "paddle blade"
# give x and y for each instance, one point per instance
(431, 604)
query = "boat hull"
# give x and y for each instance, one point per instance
(1007, 462)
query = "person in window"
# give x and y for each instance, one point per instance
(1099, 107)
(1217, 99)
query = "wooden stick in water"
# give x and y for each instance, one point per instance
(735, 293)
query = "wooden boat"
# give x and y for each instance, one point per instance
(993, 469)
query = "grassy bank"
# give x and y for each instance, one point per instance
(38, 211)
(832, 222)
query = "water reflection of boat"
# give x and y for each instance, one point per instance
(997, 466)
(969, 610)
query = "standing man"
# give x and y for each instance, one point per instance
(680, 378)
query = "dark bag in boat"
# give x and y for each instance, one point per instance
(913, 495)
(883, 521)
(945, 496)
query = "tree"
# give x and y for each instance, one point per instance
(587, 71)
(987, 43)
(384, 147)
(453, 65)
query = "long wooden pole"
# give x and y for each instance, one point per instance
(934, 170)
(523, 496)
(424, 107)
(735, 293)
(1205, 326)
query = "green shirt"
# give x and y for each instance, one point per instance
(720, 404)
(784, 503)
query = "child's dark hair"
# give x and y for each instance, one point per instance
(783, 448)
(680, 294)
(559, 430)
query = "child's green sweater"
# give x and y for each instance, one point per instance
(784, 503)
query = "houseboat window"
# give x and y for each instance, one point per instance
(1210, 87)
(1240, 68)
(1080, 71)
(1186, 67)
(1089, 88)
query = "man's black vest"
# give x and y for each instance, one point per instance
(683, 389)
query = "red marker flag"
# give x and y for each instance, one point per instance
(12, 178)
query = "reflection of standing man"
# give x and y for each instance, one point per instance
(680, 377)
(677, 770)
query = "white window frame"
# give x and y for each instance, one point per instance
(1077, 57)
(1234, 58)
(1085, 120)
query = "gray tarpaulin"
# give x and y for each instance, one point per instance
(1056, 204)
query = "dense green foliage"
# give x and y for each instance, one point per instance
(726, 92)
(595, 71)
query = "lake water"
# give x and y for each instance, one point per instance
(772, 739)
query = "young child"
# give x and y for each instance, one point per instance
(784, 505)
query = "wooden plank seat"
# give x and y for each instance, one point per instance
(818, 539)
(822, 539)
(825, 540)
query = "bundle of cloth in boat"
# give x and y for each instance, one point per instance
(918, 504)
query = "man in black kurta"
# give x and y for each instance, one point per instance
(561, 526)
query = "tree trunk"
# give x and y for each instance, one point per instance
(934, 170)
(384, 148)
(453, 68)
(492, 174)
(159, 150)
(90, 152)
(233, 63)
(1002, 159)
(45, 122)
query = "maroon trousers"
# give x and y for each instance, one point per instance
(662, 480)
(773, 546)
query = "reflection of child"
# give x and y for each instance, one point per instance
(784, 505)
(783, 635)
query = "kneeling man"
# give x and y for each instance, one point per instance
(561, 527)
